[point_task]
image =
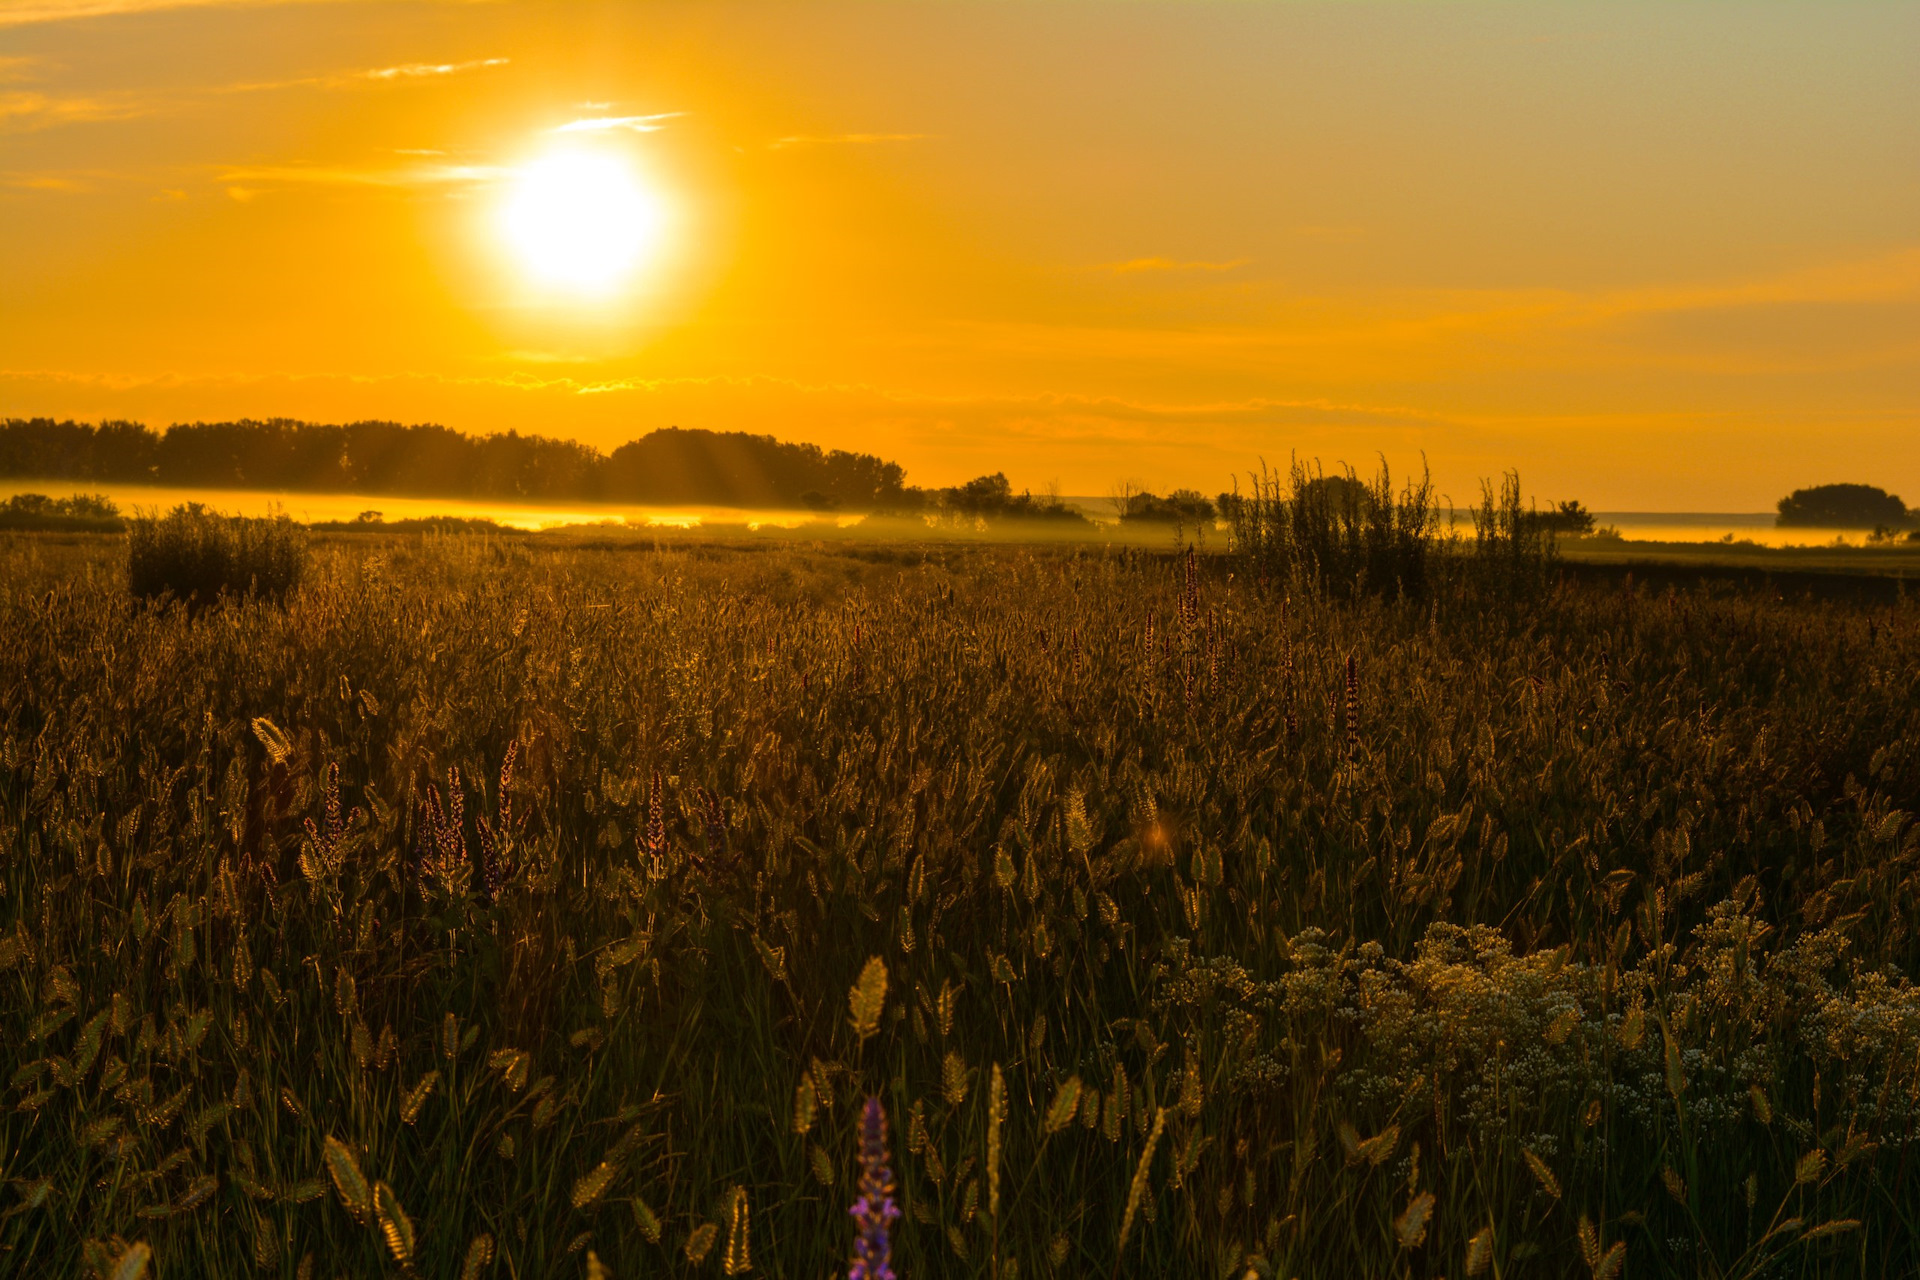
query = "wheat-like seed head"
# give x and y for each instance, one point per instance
(1410, 1228)
(479, 1257)
(738, 1258)
(867, 999)
(352, 1185)
(395, 1226)
(700, 1242)
(1065, 1103)
(1479, 1252)
(1137, 1189)
(996, 1117)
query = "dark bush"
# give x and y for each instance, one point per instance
(1513, 546)
(197, 556)
(1338, 534)
(1182, 506)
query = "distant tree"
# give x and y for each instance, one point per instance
(983, 495)
(1566, 519)
(732, 468)
(1843, 506)
(670, 466)
(42, 448)
(1182, 506)
(992, 498)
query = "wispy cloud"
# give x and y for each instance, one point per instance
(43, 182)
(854, 139)
(427, 70)
(1135, 265)
(437, 175)
(20, 13)
(609, 124)
(23, 109)
(404, 73)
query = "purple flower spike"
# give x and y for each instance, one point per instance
(873, 1246)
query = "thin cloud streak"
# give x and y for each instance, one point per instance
(20, 13)
(608, 124)
(28, 109)
(24, 110)
(401, 74)
(42, 182)
(415, 176)
(425, 70)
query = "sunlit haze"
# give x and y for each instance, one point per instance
(1657, 257)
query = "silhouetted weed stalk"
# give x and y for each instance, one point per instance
(494, 909)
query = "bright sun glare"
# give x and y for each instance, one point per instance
(582, 221)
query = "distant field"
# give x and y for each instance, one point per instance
(1898, 560)
(513, 897)
(1682, 538)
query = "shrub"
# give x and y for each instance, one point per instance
(196, 555)
(1513, 547)
(1339, 534)
(1182, 506)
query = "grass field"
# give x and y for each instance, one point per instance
(517, 908)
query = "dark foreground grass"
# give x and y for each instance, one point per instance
(1217, 931)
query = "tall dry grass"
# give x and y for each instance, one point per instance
(1217, 929)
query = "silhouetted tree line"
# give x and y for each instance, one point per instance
(1845, 506)
(670, 466)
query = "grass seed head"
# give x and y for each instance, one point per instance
(867, 999)
(1542, 1174)
(804, 1103)
(996, 1118)
(1137, 1188)
(395, 1226)
(479, 1257)
(1479, 1252)
(590, 1186)
(1065, 1103)
(355, 1192)
(738, 1258)
(1410, 1228)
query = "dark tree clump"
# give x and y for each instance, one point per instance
(1843, 506)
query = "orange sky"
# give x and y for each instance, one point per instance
(1660, 256)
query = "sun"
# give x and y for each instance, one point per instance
(582, 222)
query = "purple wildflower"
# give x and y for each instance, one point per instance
(873, 1247)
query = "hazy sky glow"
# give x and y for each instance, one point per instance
(1656, 255)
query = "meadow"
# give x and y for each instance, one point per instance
(517, 907)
